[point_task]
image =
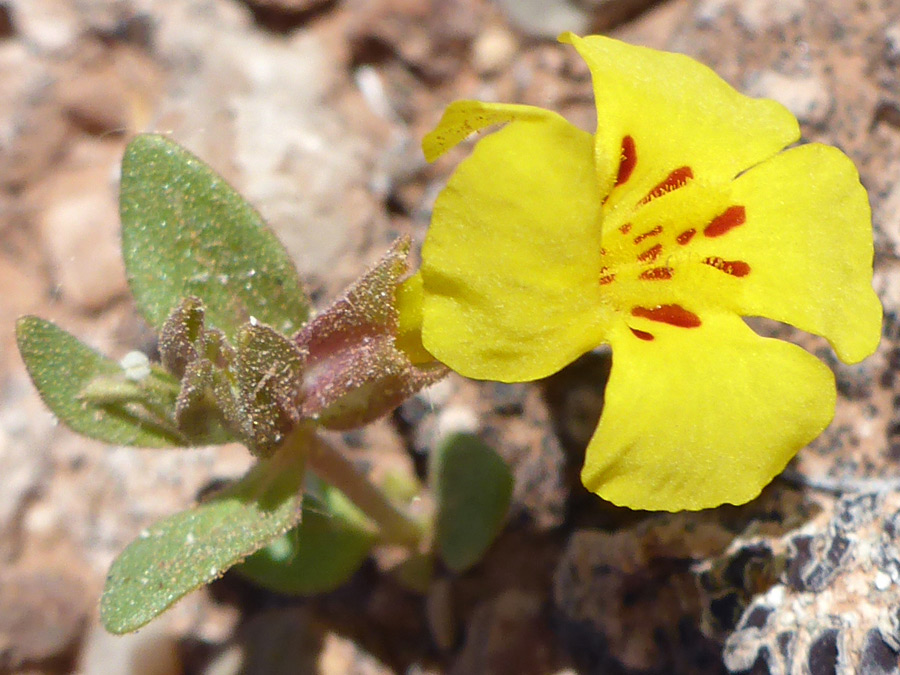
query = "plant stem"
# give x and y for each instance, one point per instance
(395, 526)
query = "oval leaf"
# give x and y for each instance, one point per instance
(318, 556)
(472, 487)
(186, 232)
(62, 367)
(190, 549)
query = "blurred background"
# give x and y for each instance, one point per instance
(314, 110)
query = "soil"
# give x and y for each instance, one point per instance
(315, 109)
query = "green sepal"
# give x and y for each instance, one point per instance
(92, 394)
(320, 554)
(269, 370)
(183, 552)
(355, 373)
(186, 232)
(206, 411)
(472, 486)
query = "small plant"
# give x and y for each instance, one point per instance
(683, 213)
(242, 360)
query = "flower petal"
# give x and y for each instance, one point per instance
(409, 297)
(461, 119)
(511, 263)
(678, 113)
(807, 241)
(700, 416)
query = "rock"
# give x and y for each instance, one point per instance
(546, 18)
(892, 43)
(834, 608)
(431, 37)
(289, 6)
(252, 106)
(626, 599)
(47, 26)
(440, 611)
(756, 16)
(289, 641)
(493, 50)
(42, 611)
(707, 12)
(109, 90)
(79, 224)
(507, 635)
(153, 650)
(806, 96)
(608, 13)
(524, 437)
(31, 127)
(23, 468)
(340, 655)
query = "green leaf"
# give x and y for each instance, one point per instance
(472, 487)
(190, 549)
(186, 232)
(63, 368)
(321, 554)
(416, 573)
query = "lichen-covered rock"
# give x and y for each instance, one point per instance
(628, 598)
(831, 597)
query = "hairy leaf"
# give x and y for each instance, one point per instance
(187, 550)
(186, 232)
(116, 409)
(472, 487)
(321, 553)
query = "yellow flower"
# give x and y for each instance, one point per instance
(680, 215)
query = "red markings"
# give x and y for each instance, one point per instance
(674, 315)
(686, 236)
(628, 161)
(732, 217)
(651, 254)
(656, 274)
(641, 334)
(603, 251)
(650, 233)
(607, 279)
(673, 181)
(625, 229)
(736, 268)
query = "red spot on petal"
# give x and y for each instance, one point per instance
(674, 315)
(642, 334)
(656, 274)
(625, 229)
(673, 181)
(686, 236)
(628, 161)
(607, 279)
(650, 233)
(603, 251)
(736, 268)
(732, 217)
(651, 253)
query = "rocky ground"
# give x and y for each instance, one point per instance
(314, 109)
